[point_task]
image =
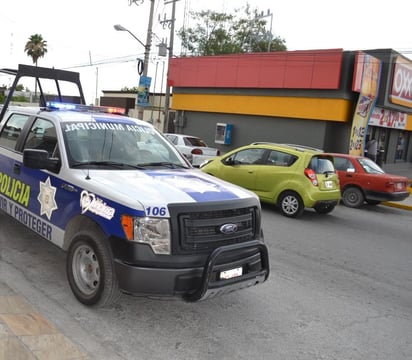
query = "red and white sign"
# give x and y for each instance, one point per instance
(401, 91)
(387, 118)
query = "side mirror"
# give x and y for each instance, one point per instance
(39, 159)
(229, 161)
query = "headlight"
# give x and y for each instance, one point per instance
(147, 230)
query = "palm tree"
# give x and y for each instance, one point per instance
(36, 48)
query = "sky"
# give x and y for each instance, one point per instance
(81, 37)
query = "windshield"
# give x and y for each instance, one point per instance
(119, 145)
(370, 166)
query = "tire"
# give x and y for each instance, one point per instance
(324, 209)
(352, 197)
(90, 270)
(291, 204)
(373, 202)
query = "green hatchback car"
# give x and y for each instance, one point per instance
(293, 177)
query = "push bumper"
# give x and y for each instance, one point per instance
(194, 284)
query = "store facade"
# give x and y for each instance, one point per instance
(301, 97)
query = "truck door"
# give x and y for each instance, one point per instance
(12, 189)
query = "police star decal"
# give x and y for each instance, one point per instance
(46, 198)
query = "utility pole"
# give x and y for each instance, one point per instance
(262, 16)
(148, 39)
(147, 46)
(171, 23)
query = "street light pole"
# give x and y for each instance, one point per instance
(147, 47)
(119, 27)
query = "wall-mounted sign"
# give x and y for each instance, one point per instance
(388, 118)
(365, 81)
(366, 75)
(143, 91)
(401, 91)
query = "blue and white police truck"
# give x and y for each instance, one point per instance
(130, 211)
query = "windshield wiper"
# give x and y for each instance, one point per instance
(114, 164)
(165, 164)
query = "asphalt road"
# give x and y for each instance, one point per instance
(340, 288)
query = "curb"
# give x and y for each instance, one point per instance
(400, 204)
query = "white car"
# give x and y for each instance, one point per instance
(193, 147)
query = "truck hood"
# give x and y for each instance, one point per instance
(161, 187)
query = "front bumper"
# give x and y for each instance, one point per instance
(193, 284)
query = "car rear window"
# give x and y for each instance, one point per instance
(370, 167)
(321, 164)
(191, 141)
(343, 164)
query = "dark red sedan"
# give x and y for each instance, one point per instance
(362, 180)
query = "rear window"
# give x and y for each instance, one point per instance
(370, 166)
(321, 164)
(343, 164)
(12, 130)
(191, 141)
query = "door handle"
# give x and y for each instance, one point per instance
(16, 168)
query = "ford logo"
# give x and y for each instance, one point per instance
(228, 229)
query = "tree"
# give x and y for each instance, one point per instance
(36, 47)
(134, 89)
(218, 33)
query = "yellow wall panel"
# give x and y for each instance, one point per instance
(290, 107)
(409, 123)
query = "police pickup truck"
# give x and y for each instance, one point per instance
(132, 214)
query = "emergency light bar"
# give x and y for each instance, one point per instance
(55, 105)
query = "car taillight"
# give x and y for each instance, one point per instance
(396, 186)
(390, 184)
(311, 176)
(197, 152)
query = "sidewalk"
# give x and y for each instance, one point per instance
(27, 335)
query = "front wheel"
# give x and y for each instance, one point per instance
(90, 270)
(324, 209)
(352, 197)
(291, 204)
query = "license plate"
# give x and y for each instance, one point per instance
(230, 274)
(399, 185)
(329, 184)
